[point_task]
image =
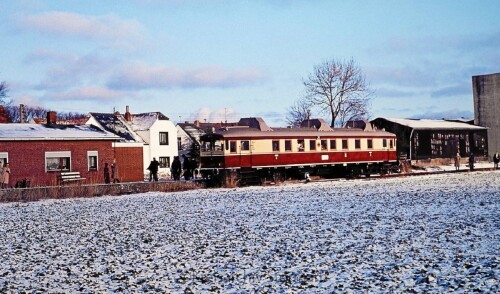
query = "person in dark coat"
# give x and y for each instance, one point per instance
(176, 168)
(186, 165)
(472, 159)
(496, 160)
(107, 179)
(153, 170)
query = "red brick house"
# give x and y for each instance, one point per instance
(40, 152)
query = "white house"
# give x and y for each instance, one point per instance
(155, 131)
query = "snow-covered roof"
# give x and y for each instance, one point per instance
(432, 124)
(12, 132)
(116, 124)
(193, 131)
(144, 121)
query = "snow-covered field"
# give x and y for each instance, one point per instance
(435, 233)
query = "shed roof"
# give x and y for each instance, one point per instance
(36, 132)
(432, 124)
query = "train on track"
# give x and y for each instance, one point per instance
(252, 152)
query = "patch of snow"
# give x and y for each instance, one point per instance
(438, 233)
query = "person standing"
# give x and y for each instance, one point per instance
(186, 165)
(106, 173)
(176, 168)
(5, 175)
(153, 170)
(496, 160)
(114, 171)
(457, 161)
(472, 159)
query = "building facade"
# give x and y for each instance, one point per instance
(486, 93)
(39, 153)
(153, 131)
(420, 139)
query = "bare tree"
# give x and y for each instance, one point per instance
(339, 89)
(4, 89)
(298, 112)
(32, 112)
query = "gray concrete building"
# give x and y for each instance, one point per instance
(486, 92)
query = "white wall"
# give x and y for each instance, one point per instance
(154, 149)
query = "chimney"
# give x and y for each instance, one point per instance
(22, 114)
(128, 116)
(51, 117)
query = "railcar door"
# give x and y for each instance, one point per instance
(245, 154)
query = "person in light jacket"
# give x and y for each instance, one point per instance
(457, 161)
(5, 176)
(114, 171)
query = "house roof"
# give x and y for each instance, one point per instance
(144, 121)
(193, 131)
(432, 124)
(36, 132)
(116, 124)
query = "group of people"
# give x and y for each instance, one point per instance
(472, 160)
(114, 172)
(186, 168)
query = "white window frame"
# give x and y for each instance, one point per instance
(57, 154)
(89, 154)
(4, 157)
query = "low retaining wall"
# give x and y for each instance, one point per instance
(76, 191)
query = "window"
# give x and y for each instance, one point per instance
(4, 157)
(276, 145)
(384, 143)
(300, 144)
(164, 162)
(344, 144)
(288, 145)
(357, 144)
(245, 145)
(232, 146)
(58, 161)
(333, 144)
(369, 143)
(92, 160)
(324, 145)
(163, 138)
(391, 144)
(312, 145)
(179, 143)
(227, 145)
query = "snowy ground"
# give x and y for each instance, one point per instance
(435, 233)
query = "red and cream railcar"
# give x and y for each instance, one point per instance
(265, 152)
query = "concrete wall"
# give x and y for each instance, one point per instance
(486, 92)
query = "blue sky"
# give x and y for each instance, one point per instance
(214, 60)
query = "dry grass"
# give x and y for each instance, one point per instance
(74, 191)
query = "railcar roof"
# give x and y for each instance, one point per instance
(246, 132)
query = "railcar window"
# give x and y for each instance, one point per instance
(391, 144)
(384, 143)
(344, 144)
(300, 144)
(324, 145)
(357, 144)
(312, 145)
(288, 145)
(370, 143)
(245, 145)
(227, 145)
(333, 144)
(232, 146)
(276, 145)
